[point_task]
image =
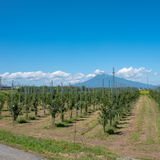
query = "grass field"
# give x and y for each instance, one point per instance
(135, 136)
(145, 92)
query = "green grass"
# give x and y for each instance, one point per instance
(135, 136)
(145, 92)
(157, 117)
(7, 115)
(5, 110)
(89, 121)
(89, 128)
(53, 149)
(143, 158)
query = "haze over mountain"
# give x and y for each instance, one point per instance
(97, 82)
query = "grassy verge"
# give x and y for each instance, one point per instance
(53, 149)
(89, 121)
(149, 123)
(136, 135)
(89, 128)
(157, 117)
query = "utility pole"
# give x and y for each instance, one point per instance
(85, 99)
(76, 100)
(26, 114)
(43, 101)
(147, 82)
(0, 84)
(12, 102)
(61, 102)
(0, 88)
(51, 90)
(103, 104)
(113, 85)
(69, 101)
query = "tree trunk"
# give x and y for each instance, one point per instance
(69, 113)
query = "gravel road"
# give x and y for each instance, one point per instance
(8, 153)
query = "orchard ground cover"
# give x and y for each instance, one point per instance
(136, 135)
(145, 92)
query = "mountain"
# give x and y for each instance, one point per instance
(97, 82)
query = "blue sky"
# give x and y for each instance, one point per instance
(72, 41)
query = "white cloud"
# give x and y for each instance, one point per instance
(96, 72)
(90, 76)
(155, 74)
(78, 76)
(149, 70)
(133, 74)
(57, 77)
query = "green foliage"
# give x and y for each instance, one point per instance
(106, 111)
(2, 101)
(16, 109)
(155, 94)
(35, 103)
(54, 106)
(115, 103)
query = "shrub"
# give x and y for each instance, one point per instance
(60, 124)
(85, 113)
(117, 122)
(45, 127)
(114, 125)
(7, 115)
(21, 120)
(109, 130)
(68, 121)
(32, 118)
